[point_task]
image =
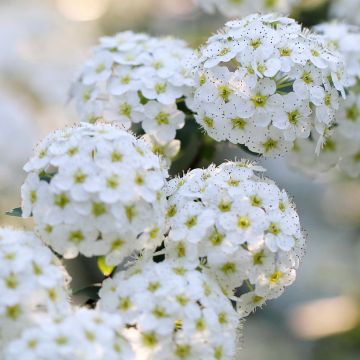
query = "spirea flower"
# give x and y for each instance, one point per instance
(32, 283)
(235, 8)
(95, 190)
(239, 227)
(85, 334)
(134, 78)
(337, 152)
(264, 82)
(340, 147)
(345, 39)
(175, 312)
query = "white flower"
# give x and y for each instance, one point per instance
(237, 225)
(84, 334)
(177, 311)
(32, 283)
(124, 109)
(337, 152)
(162, 121)
(125, 72)
(98, 69)
(92, 180)
(338, 147)
(167, 151)
(264, 79)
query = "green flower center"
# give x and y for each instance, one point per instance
(162, 118)
(243, 222)
(259, 100)
(208, 122)
(238, 123)
(224, 92)
(293, 117)
(125, 109)
(274, 229)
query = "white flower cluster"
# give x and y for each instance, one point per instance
(32, 283)
(236, 8)
(345, 39)
(176, 312)
(135, 78)
(85, 334)
(264, 82)
(346, 10)
(95, 190)
(239, 227)
(341, 145)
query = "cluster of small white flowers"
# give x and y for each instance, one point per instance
(341, 146)
(346, 10)
(264, 82)
(177, 312)
(32, 283)
(85, 334)
(95, 190)
(134, 78)
(236, 8)
(345, 39)
(239, 227)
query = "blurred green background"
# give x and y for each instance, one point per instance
(42, 45)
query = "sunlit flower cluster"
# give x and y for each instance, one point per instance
(175, 311)
(95, 190)
(236, 8)
(264, 82)
(32, 283)
(184, 260)
(239, 227)
(134, 78)
(340, 146)
(84, 334)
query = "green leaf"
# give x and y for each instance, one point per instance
(104, 267)
(15, 212)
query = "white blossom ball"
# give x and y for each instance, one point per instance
(240, 228)
(174, 312)
(33, 284)
(84, 334)
(95, 190)
(135, 78)
(338, 155)
(235, 8)
(345, 39)
(263, 82)
(339, 147)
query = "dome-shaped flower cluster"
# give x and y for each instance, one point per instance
(235, 8)
(135, 78)
(95, 190)
(178, 312)
(32, 283)
(341, 145)
(264, 82)
(85, 334)
(239, 227)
